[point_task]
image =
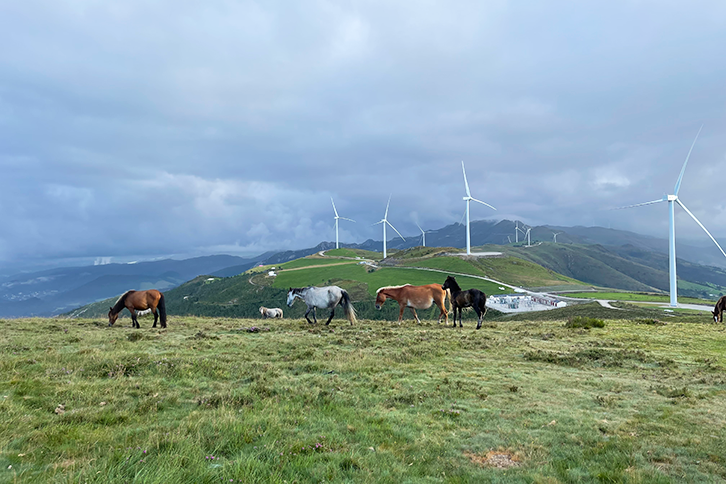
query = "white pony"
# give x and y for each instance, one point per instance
(270, 312)
(327, 297)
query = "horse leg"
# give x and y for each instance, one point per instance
(480, 314)
(456, 308)
(415, 315)
(306, 315)
(332, 311)
(134, 321)
(156, 318)
(461, 311)
(401, 307)
(315, 314)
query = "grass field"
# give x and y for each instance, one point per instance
(631, 296)
(379, 278)
(208, 401)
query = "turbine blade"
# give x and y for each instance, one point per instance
(419, 227)
(683, 170)
(334, 210)
(389, 202)
(466, 183)
(641, 204)
(463, 215)
(394, 228)
(702, 226)
(380, 222)
(348, 219)
(483, 203)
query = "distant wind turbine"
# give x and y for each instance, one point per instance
(468, 198)
(337, 217)
(672, 200)
(423, 235)
(554, 236)
(517, 229)
(385, 222)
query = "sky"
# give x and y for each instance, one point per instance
(138, 130)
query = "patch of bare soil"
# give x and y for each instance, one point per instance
(500, 459)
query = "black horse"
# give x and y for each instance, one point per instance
(718, 310)
(473, 298)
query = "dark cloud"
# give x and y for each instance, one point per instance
(141, 129)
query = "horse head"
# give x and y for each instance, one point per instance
(715, 315)
(112, 317)
(291, 293)
(380, 299)
(449, 283)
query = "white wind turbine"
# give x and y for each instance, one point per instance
(554, 236)
(423, 235)
(468, 198)
(338, 217)
(517, 229)
(385, 222)
(672, 200)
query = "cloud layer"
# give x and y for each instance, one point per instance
(142, 129)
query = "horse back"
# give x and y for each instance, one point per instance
(143, 299)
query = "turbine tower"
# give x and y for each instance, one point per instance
(517, 229)
(337, 217)
(554, 236)
(468, 198)
(423, 235)
(672, 200)
(385, 222)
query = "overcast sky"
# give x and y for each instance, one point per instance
(141, 129)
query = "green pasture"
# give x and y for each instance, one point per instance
(235, 400)
(354, 253)
(386, 276)
(313, 261)
(630, 296)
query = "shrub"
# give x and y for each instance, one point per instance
(584, 322)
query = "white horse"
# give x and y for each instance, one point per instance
(322, 297)
(270, 312)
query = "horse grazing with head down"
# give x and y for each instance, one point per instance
(718, 310)
(151, 301)
(327, 297)
(270, 312)
(473, 298)
(414, 297)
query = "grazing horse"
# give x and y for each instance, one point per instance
(270, 312)
(322, 297)
(146, 301)
(718, 310)
(414, 297)
(463, 299)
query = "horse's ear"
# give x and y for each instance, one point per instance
(110, 309)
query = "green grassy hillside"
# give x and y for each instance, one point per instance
(212, 401)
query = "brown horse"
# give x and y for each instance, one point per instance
(718, 310)
(146, 301)
(473, 298)
(414, 297)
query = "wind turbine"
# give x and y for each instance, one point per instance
(385, 222)
(516, 234)
(554, 236)
(337, 217)
(672, 200)
(423, 235)
(468, 198)
(529, 229)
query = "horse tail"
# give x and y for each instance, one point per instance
(161, 306)
(485, 305)
(348, 307)
(448, 296)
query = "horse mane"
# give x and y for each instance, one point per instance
(391, 287)
(121, 302)
(454, 285)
